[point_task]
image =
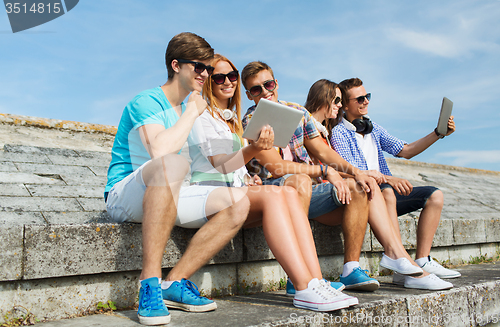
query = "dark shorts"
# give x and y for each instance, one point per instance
(324, 197)
(414, 201)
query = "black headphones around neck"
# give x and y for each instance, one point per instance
(363, 125)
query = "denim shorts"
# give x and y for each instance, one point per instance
(324, 197)
(124, 201)
(413, 201)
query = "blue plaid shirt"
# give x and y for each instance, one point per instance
(343, 140)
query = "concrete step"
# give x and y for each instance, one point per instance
(474, 301)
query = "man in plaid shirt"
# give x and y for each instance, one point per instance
(361, 142)
(339, 202)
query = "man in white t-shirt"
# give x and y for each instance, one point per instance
(361, 142)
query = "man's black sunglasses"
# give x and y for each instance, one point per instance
(199, 67)
(221, 78)
(361, 98)
(256, 90)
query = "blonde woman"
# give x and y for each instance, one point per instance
(219, 156)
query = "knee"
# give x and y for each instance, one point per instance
(357, 192)
(238, 213)
(436, 199)
(300, 182)
(389, 196)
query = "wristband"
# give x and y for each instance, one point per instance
(438, 135)
(321, 166)
(326, 169)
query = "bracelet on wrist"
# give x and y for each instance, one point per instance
(321, 167)
(437, 133)
(326, 169)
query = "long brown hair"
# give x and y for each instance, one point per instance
(234, 102)
(322, 93)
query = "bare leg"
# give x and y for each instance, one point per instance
(303, 231)
(268, 204)
(428, 223)
(216, 233)
(353, 217)
(302, 183)
(385, 230)
(390, 203)
(159, 209)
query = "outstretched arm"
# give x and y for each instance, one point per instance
(417, 147)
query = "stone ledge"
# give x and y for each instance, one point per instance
(38, 249)
(20, 120)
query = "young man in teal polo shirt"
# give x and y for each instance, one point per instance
(145, 177)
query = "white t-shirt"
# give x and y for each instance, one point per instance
(211, 137)
(367, 145)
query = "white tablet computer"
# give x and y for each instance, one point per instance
(446, 107)
(283, 119)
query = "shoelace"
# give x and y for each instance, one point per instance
(321, 292)
(190, 288)
(330, 290)
(364, 271)
(152, 298)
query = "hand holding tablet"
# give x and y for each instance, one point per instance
(284, 121)
(444, 116)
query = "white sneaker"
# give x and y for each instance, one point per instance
(401, 265)
(398, 279)
(317, 298)
(432, 267)
(336, 293)
(430, 282)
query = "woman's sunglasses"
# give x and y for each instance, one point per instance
(337, 100)
(256, 90)
(198, 66)
(361, 98)
(221, 78)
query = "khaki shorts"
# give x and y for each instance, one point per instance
(124, 202)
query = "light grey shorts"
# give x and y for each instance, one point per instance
(124, 202)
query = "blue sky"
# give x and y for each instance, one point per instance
(87, 64)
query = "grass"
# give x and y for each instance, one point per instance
(13, 319)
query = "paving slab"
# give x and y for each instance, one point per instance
(8, 166)
(21, 218)
(24, 157)
(65, 191)
(17, 203)
(81, 161)
(29, 178)
(14, 189)
(36, 150)
(55, 169)
(85, 180)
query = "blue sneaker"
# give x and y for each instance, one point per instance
(358, 279)
(152, 310)
(184, 295)
(290, 290)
